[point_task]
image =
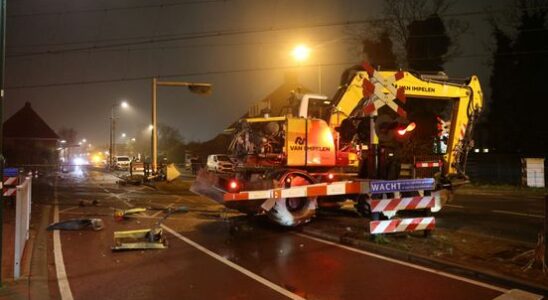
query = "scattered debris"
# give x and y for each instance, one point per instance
(120, 214)
(535, 256)
(78, 224)
(139, 239)
(144, 238)
(83, 203)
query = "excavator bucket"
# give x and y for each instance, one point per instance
(207, 185)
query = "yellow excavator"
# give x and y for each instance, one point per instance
(317, 149)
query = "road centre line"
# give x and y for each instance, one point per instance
(454, 206)
(67, 209)
(238, 268)
(437, 272)
(517, 214)
(497, 211)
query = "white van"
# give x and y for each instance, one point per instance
(122, 162)
(220, 163)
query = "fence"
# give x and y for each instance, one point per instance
(22, 221)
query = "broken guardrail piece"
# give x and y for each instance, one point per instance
(78, 224)
(145, 238)
(141, 239)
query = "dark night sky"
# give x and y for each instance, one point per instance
(242, 67)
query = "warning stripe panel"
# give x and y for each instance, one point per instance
(428, 164)
(10, 180)
(9, 192)
(407, 203)
(402, 225)
(323, 189)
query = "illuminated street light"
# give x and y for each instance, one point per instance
(133, 139)
(123, 135)
(150, 127)
(112, 148)
(301, 53)
(84, 140)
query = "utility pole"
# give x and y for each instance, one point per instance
(2, 68)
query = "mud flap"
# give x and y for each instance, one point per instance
(207, 185)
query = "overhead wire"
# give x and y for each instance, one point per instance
(98, 10)
(211, 34)
(244, 70)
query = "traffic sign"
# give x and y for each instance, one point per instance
(374, 90)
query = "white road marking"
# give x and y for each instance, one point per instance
(506, 212)
(62, 280)
(517, 214)
(67, 209)
(238, 268)
(454, 206)
(441, 273)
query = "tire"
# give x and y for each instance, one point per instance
(293, 212)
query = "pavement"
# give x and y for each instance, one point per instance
(215, 254)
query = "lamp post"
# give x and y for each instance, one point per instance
(197, 88)
(112, 143)
(301, 53)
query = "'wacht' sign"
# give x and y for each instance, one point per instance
(406, 185)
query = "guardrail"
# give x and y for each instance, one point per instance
(22, 222)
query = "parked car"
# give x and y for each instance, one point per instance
(122, 162)
(219, 163)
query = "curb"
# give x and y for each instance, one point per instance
(449, 267)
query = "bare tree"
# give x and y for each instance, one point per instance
(400, 15)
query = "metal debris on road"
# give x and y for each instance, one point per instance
(120, 214)
(142, 239)
(83, 203)
(139, 239)
(78, 224)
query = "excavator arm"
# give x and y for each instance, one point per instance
(466, 98)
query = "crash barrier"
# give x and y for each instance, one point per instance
(10, 181)
(384, 196)
(532, 172)
(22, 221)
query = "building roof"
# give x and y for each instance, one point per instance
(26, 123)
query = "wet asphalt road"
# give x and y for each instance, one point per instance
(214, 255)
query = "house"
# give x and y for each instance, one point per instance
(28, 139)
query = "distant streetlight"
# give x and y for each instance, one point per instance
(84, 140)
(133, 139)
(123, 135)
(112, 148)
(150, 127)
(196, 88)
(301, 53)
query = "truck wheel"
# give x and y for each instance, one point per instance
(293, 211)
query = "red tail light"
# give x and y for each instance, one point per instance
(233, 185)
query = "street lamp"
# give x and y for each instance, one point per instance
(196, 88)
(112, 148)
(301, 53)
